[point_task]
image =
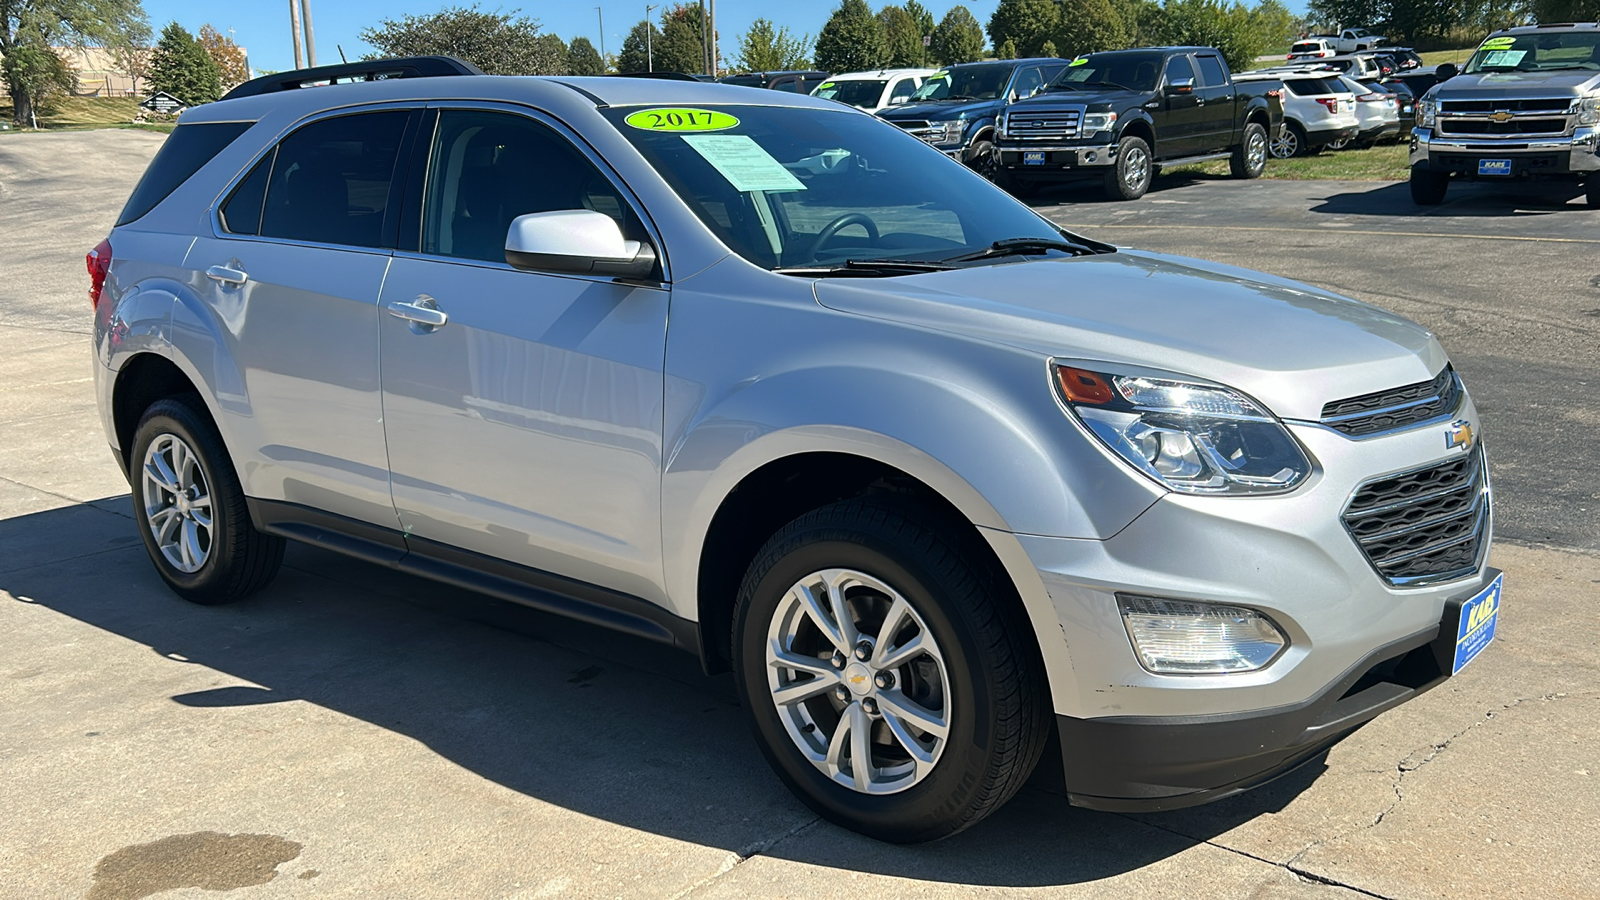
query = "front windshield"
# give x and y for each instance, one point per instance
(1133, 71)
(1537, 52)
(862, 94)
(790, 186)
(966, 83)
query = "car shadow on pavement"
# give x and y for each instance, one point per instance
(606, 725)
(1090, 190)
(1465, 198)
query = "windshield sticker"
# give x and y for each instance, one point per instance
(1499, 43)
(742, 161)
(678, 119)
(1503, 57)
(1079, 61)
(825, 84)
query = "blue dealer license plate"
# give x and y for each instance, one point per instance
(1033, 157)
(1494, 167)
(1478, 617)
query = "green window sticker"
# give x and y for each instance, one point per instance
(1497, 43)
(825, 85)
(681, 119)
(1079, 61)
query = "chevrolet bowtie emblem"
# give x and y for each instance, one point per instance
(1458, 434)
(857, 679)
(1501, 116)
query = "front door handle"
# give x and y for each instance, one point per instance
(227, 275)
(423, 313)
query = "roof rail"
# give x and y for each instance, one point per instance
(663, 75)
(368, 70)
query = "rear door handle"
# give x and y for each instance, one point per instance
(227, 275)
(424, 314)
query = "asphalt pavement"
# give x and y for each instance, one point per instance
(354, 733)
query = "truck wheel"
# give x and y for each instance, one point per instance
(1428, 187)
(191, 508)
(984, 159)
(886, 683)
(1249, 159)
(1291, 143)
(1130, 175)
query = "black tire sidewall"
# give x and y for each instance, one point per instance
(961, 768)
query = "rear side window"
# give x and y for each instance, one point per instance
(187, 149)
(241, 212)
(332, 179)
(1211, 71)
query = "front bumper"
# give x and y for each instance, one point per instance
(1150, 764)
(1577, 154)
(1056, 157)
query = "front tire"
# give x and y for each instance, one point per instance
(862, 635)
(191, 508)
(1428, 187)
(984, 159)
(1249, 159)
(1130, 176)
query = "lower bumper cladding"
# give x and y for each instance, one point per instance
(1577, 154)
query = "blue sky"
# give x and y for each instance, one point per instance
(262, 26)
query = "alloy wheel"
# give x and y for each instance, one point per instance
(858, 681)
(177, 503)
(1286, 146)
(1255, 151)
(1135, 168)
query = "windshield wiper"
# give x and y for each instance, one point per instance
(866, 268)
(960, 97)
(1024, 246)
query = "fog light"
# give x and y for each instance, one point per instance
(1176, 637)
(1090, 156)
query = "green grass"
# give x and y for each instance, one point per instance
(79, 113)
(1459, 57)
(1385, 162)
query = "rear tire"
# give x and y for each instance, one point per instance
(971, 678)
(191, 509)
(1130, 176)
(1249, 159)
(1428, 187)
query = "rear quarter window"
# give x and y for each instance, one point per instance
(187, 149)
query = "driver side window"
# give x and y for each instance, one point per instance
(487, 168)
(1179, 69)
(1027, 81)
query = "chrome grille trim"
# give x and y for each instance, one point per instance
(1396, 409)
(1424, 525)
(1043, 126)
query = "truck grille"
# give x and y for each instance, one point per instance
(1425, 525)
(1056, 125)
(1395, 408)
(1557, 104)
(1517, 126)
(921, 128)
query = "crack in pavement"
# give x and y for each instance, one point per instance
(738, 857)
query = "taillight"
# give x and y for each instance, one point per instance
(1372, 98)
(98, 261)
(1332, 103)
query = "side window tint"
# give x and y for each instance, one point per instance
(487, 168)
(330, 182)
(1211, 69)
(241, 212)
(1027, 80)
(1179, 69)
(187, 149)
(903, 88)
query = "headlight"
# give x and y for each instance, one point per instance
(1189, 436)
(1426, 110)
(1001, 124)
(1101, 121)
(952, 132)
(1176, 637)
(1589, 110)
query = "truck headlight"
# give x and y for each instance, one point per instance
(1427, 109)
(1001, 124)
(1188, 436)
(952, 132)
(1101, 121)
(1177, 637)
(1589, 110)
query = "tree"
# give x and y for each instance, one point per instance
(767, 49)
(550, 56)
(131, 52)
(682, 47)
(958, 39)
(42, 24)
(181, 67)
(1565, 10)
(226, 54)
(498, 43)
(1026, 24)
(924, 20)
(1232, 29)
(901, 38)
(1086, 26)
(852, 40)
(637, 53)
(40, 74)
(1007, 50)
(583, 58)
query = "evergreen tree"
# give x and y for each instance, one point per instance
(1026, 24)
(901, 38)
(765, 48)
(1049, 49)
(852, 41)
(682, 47)
(637, 54)
(958, 39)
(181, 67)
(1007, 50)
(583, 58)
(923, 19)
(1089, 25)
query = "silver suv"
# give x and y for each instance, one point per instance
(948, 489)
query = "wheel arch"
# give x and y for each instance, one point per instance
(1141, 126)
(141, 380)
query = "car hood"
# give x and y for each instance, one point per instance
(1493, 85)
(1289, 345)
(1057, 99)
(935, 111)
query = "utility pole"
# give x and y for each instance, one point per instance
(713, 70)
(311, 38)
(602, 17)
(705, 45)
(294, 26)
(649, 52)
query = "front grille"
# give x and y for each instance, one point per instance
(1043, 126)
(1395, 408)
(921, 128)
(1555, 104)
(1425, 525)
(1515, 126)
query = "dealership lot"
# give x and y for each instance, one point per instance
(362, 734)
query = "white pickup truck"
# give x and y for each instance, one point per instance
(1352, 39)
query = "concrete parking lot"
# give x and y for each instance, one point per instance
(354, 733)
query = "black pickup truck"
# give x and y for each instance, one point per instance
(1122, 114)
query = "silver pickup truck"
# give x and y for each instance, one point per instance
(1526, 106)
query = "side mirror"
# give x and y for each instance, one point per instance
(1181, 86)
(576, 242)
(1446, 71)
